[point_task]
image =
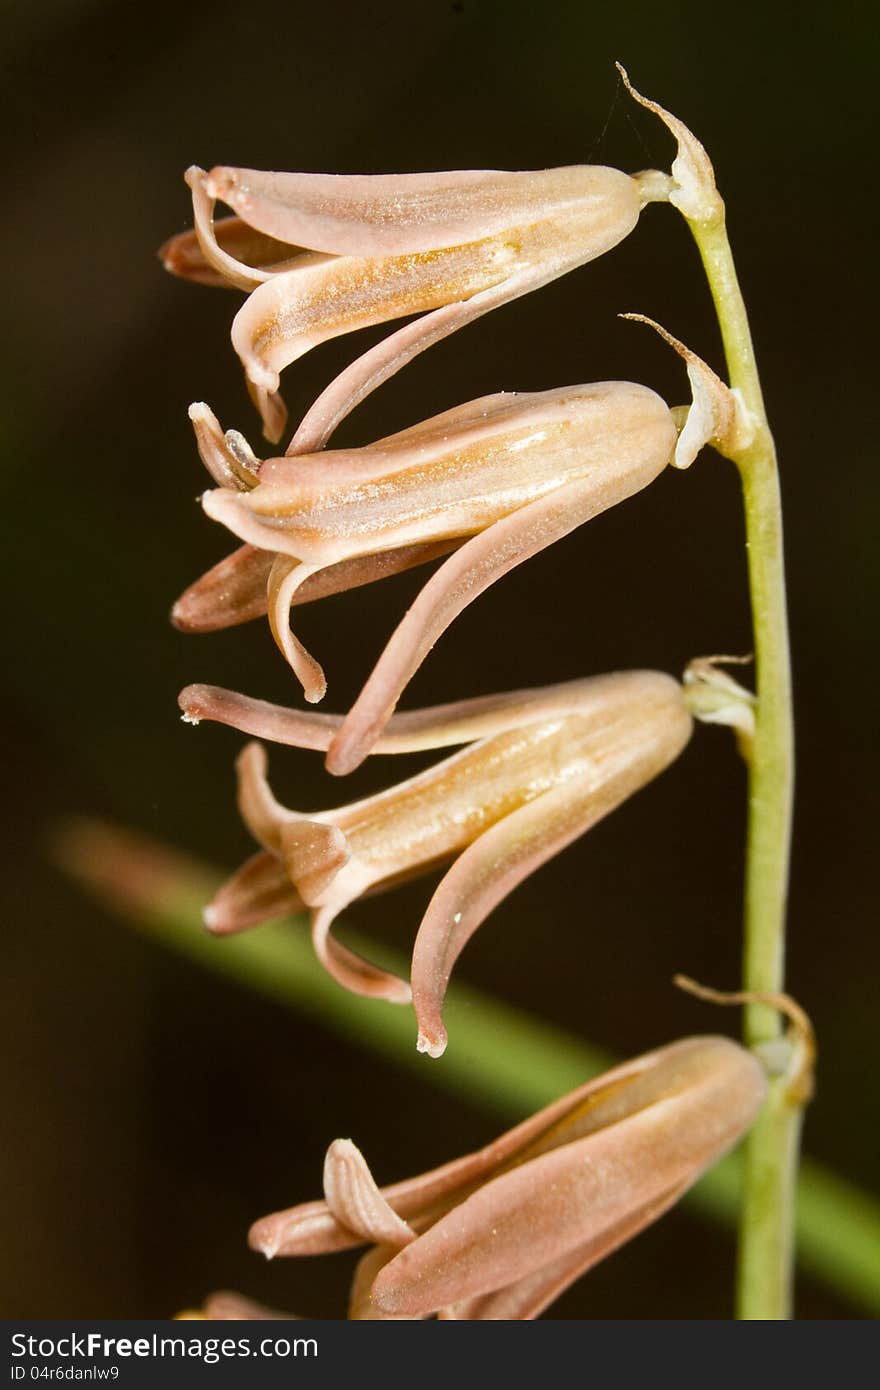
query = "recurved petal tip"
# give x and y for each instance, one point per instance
(355, 1200)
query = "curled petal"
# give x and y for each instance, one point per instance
(237, 248)
(221, 254)
(350, 970)
(285, 577)
(462, 578)
(354, 1199)
(263, 815)
(295, 312)
(483, 875)
(383, 361)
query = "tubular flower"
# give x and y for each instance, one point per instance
(542, 766)
(325, 254)
(502, 1232)
(498, 480)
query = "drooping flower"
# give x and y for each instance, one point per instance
(541, 768)
(500, 1233)
(497, 479)
(325, 254)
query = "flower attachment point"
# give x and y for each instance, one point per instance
(717, 415)
(693, 190)
(539, 769)
(500, 1233)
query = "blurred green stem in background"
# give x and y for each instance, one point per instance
(502, 1059)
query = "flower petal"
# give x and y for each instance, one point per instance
(409, 731)
(260, 890)
(545, 1209)
(264, 255)
(285, 577)
(230, 463)
(354, 1199)
(394, 214)
(529, 1296)
(350, 970)
(232, 592)
(383, 361)
(502, 857)
(481, 561)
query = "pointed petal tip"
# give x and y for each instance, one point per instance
(262, 1239)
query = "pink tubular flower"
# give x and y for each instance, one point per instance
(498, 480)
(325, 254)
(542, 766)
(500, 1233)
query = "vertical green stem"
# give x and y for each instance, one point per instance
(766, 1225)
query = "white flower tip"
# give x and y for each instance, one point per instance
(211, 918)
(187, 718)
(434, 1047)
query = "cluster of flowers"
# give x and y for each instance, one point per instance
(499, 1233)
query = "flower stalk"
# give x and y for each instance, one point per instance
(766, 1252)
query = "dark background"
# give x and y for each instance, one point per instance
(152, 1111)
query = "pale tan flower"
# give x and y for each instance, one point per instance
(542, 766)
(497, 479)
(500, 1233)
(325, 254)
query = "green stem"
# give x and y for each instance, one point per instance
(771, 1158)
